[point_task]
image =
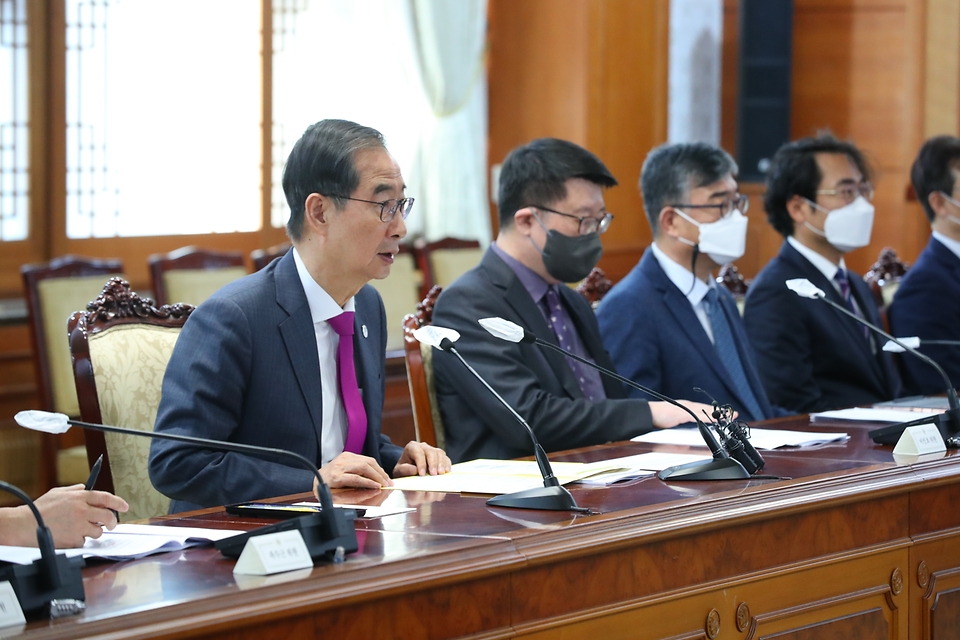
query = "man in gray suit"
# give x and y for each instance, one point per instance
(262, 361)
(551, 216)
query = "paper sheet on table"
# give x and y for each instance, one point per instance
(639, 466)
(765, 439)
(369, 512)
(863, 414)
(499, 476)
(127, 541)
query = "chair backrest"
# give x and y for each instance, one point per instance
(191, 274)
(121, 345)
(53, 291)
(400, 292)
(885, 275)
(419, 360)
(730, 278)
(263, 257)
(443, 261)
(594, 286)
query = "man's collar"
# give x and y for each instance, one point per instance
(692, 287)
(535, 285)
(824, 266)
(322, 305)
(949, 243)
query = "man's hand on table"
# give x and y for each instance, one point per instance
(419, 458)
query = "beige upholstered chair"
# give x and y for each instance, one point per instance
(400, 292)
(445, 260)
(419, 360)
(121, 345)
(191, 275)
(53, 291)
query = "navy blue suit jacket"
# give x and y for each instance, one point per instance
(536, 381)
(811, 357)
(655, 339)
(927, 305)
(245, 369)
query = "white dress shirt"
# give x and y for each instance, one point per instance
(683, 278)
(949, 243)
(322, 308)
(824, 266)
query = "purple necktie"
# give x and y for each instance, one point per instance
(347, 381)
(841, 279)
(561, 327)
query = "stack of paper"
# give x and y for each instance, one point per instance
(759, 438)
(862, 414)
(127, 541)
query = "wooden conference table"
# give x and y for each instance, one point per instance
(855, 545)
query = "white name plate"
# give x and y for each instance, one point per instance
(920, 440)
(273, 553)
(10, 612)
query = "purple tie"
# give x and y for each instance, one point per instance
(559, 324)
(347, 381)
(841, 279)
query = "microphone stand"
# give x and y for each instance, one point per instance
(327, 534)
(50, 580)
(722, 467)
(948, 422)
(551, 496)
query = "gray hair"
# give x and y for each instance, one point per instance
(672, 171)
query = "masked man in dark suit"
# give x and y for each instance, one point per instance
(812, 357)
(551, 216)
(668, 325)
(293, 356)
(927, 302)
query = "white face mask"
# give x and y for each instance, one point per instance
(848, 227)
(953, 219)
(724, 240)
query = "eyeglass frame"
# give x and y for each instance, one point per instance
(741, 198)
(602, 223)
(401, 202)
(859, 188)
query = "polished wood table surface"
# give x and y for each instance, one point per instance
(851, 544)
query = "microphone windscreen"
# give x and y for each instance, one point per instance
(433, 335)
(45, 421)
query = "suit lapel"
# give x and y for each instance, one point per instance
(298, 336)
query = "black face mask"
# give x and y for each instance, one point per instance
(570, 258)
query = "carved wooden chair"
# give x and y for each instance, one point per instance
(595, 286)
(191, 274)
(884, 279)
(443, 261)
(53, 291)
(121, 345)
(419, 360)
(400, 292)
(733, 281)
(263, 257)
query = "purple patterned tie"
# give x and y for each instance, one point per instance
(347, 381)
(555, 317)
(841, 279)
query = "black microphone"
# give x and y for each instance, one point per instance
(948, 422)
(722, 467)
(53, 577)
(552, 496)
(327, 534)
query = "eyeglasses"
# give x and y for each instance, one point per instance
(740, 203)
(588, 224)
(849, 193)
(388, 208)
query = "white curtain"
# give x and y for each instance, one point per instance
(450, 38)
(696, 39)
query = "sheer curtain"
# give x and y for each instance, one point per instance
(450, 43)
(412, 70)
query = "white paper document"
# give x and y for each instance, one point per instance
(639, 466)
(863, 414)
(760, 438)
(127, 541)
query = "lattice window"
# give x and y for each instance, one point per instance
(14, 158)
(163, 117)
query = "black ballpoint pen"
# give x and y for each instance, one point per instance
(94, 473)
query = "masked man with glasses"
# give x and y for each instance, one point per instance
(810, 356)
(293, 356)
(927, 302)
(551, 216)
(667, 325)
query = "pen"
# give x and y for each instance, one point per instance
(94, 472)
